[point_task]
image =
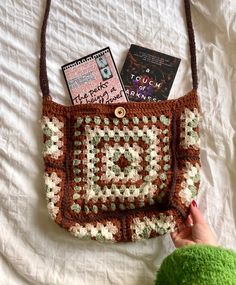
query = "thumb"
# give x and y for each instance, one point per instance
(196, 215)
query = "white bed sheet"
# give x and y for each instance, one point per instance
(33, 249)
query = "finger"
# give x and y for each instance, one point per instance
(180, 228)
(181, 234)
(189, 221)
(196, 215)
(179, 241)
(173, 235)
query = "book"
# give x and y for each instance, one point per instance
(94, 79)
(148, 75)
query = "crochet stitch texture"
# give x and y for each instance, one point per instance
(199, 265)
(120, 172)
(121, 179)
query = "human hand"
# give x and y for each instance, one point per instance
(195, 231)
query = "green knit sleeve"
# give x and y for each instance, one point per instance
(198, 265)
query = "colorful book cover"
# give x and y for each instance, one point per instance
(94, 79)
(148, 75)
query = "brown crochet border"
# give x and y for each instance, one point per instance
(190, 99)
(124, 216)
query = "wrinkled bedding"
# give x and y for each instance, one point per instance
(33, 249)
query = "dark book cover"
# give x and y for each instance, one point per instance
(148, 75)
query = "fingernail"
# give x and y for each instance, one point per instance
(194, 203)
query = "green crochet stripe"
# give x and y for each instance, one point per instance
(198, 265)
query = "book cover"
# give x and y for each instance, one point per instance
(148, 75)
(94, 79)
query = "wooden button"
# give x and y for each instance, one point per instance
(120, 112)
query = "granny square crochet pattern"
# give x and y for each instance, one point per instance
(120, 172)
(120, 179)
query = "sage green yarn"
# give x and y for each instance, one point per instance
(198, 265)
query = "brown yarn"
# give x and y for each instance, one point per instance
(191, 44)
(68, 159)
(43, 64)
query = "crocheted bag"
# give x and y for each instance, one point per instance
(120, 172)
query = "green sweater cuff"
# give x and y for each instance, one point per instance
(198, 265)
